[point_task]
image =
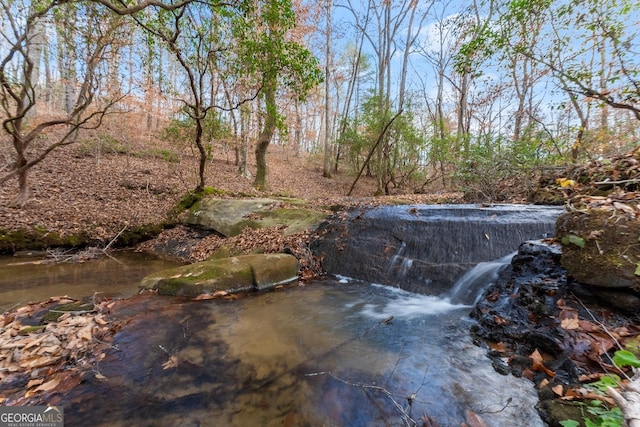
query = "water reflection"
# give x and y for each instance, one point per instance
(304, 356)
(28, 279)
(325, 354)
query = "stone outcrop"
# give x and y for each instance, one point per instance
(246, 273)
(230, 216)
(601, 247)
(426, 248)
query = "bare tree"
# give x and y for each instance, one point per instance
(18, 96)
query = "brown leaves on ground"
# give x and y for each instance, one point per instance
(47, 354)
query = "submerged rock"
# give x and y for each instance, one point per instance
(244, 273)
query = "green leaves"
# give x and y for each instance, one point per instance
(626, 358)
(573, 239)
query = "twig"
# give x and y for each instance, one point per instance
(114, 239)
(624, 181)
(604, 328)
(506, 405)
(403, 412)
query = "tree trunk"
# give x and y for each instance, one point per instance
(326, 170)
(203, 155)
(264, 139)
(23, 185)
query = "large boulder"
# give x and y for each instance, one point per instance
(230, 216)
(601, 247)
(244, 273)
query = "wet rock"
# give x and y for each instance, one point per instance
(426, 248)
(601, 248)
(538, 322)
(244, 273)
(230, 216)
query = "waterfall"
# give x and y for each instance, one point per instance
(468, 288)
(426, 248)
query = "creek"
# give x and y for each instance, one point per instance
(337, 352)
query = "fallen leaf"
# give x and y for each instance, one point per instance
(559, 390)
(171, 363)
(570, 323)
(473, 419)
(49, 385)
(35, 382)
(537, 364)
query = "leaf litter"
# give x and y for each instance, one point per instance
(44, 358)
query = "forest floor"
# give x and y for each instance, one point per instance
(99, 187)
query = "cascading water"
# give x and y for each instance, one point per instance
(336, 352)
(426, 248)
(468, 289)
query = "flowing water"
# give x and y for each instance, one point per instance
(331, 353)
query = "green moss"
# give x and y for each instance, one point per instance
(189, 200)
(54, 314)
(139, 234)
(30, 329)
(39, 238)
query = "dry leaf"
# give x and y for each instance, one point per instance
(35, 382)
(559, 390)
(570, 323)
(537, 364)
(49, 385)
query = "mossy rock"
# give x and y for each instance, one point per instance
(39, 238)
(237, 274)
(230, 216)
(600, 249)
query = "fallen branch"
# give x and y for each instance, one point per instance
(628, 400)
(106, 248)
(624, 181)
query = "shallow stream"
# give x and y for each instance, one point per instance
(330, 353)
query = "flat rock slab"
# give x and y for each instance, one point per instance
(230, 216)
(245, 273)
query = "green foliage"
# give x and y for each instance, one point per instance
(605, 381)
(484, 167)
(603, 415)
(626, 358)
(182, 128)
(404, 148)
(573, 239)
